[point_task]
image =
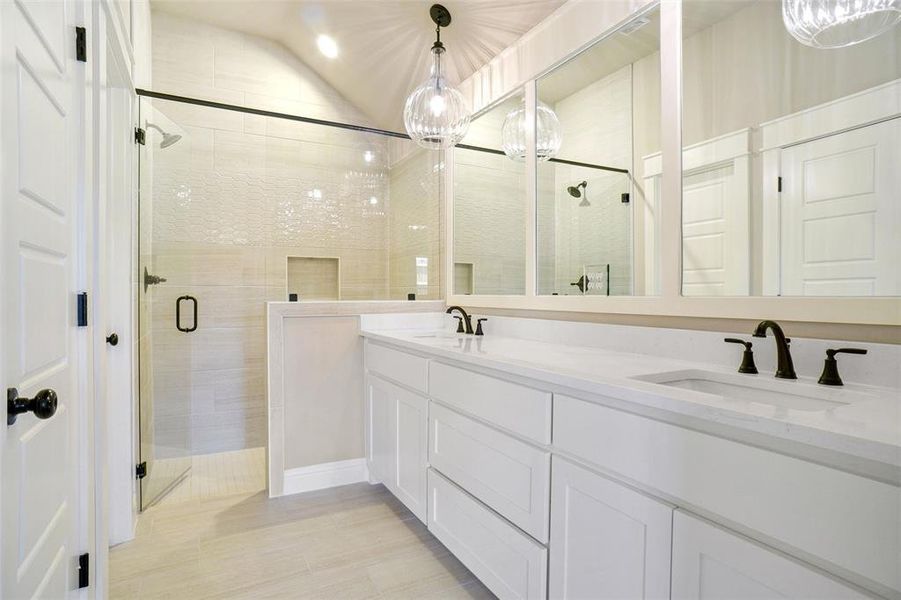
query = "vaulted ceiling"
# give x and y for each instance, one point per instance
(383, 44)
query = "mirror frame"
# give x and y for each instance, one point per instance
(538, 53)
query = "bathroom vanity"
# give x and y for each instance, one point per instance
(560, 471)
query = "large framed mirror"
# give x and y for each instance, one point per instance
(791, 182)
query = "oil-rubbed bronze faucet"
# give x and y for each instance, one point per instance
(466, 320)
(785, 369)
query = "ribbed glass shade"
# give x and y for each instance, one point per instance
(838, 23)
(436, 115)
(547, 132)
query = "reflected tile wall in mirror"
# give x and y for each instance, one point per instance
(490, 210)
(592, 216)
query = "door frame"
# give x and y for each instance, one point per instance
(108, 39)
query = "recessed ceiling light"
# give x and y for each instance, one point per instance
(373, 200)
(327, 46)
(368, 156)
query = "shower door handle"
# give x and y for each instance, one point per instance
(178, 302)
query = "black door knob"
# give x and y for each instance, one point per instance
(43, 405)
(112, 339)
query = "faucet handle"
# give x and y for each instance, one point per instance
(830, 374)
(738, 341)
(832, 353)
(479, 325)
(459, 324)
(747, 357)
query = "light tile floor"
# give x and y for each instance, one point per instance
(346, 543)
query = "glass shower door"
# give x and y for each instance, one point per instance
(166, 319)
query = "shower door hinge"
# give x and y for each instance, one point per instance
(81, 44)
(84, 570)
(779, 184)
(140, 136)
(141, 470)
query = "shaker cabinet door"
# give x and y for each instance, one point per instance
(607, 540)
(710, 562)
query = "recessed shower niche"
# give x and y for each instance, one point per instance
(314, 278)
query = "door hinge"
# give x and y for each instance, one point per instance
(84, 570)
(779, 184)
(81, 44)
(140, 136)
(141, 470)
(82, 312)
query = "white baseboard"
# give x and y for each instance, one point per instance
(325, 475)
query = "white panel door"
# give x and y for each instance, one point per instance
(607, 541)
(715, 230)
(711, 563)
(841, 213)
(42, 129)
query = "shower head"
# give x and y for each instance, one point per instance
(576, 190)
(168, 138)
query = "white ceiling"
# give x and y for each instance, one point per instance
(383, 44)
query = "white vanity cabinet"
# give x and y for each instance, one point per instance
(546, 495)
(607, 540)
(398, 441)
(709, 562)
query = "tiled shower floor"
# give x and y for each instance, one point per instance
(219, 474)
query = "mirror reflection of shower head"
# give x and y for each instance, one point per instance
(576, 190)
(580, 191)
(168, 138)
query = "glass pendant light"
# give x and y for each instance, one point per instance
(839, 23)
(436, 115)
(547, 132)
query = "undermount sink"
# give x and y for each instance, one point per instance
(795, 395)
(434, 335)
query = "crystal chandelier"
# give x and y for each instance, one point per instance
(547, 132)
(436, 115)
(838, 23)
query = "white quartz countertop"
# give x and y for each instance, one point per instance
(864, 421)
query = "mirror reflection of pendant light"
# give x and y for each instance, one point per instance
(435, 114)
(547, 132)
(839, 23)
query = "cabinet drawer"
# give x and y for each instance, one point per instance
(836, 518)
(408, 369)
(515, 407)
(508, 562)
(508, 475)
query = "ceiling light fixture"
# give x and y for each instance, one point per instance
(547, 132)
(327, 46)
(839, 23)
(435, 114)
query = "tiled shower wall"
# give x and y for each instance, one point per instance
(238, 195)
